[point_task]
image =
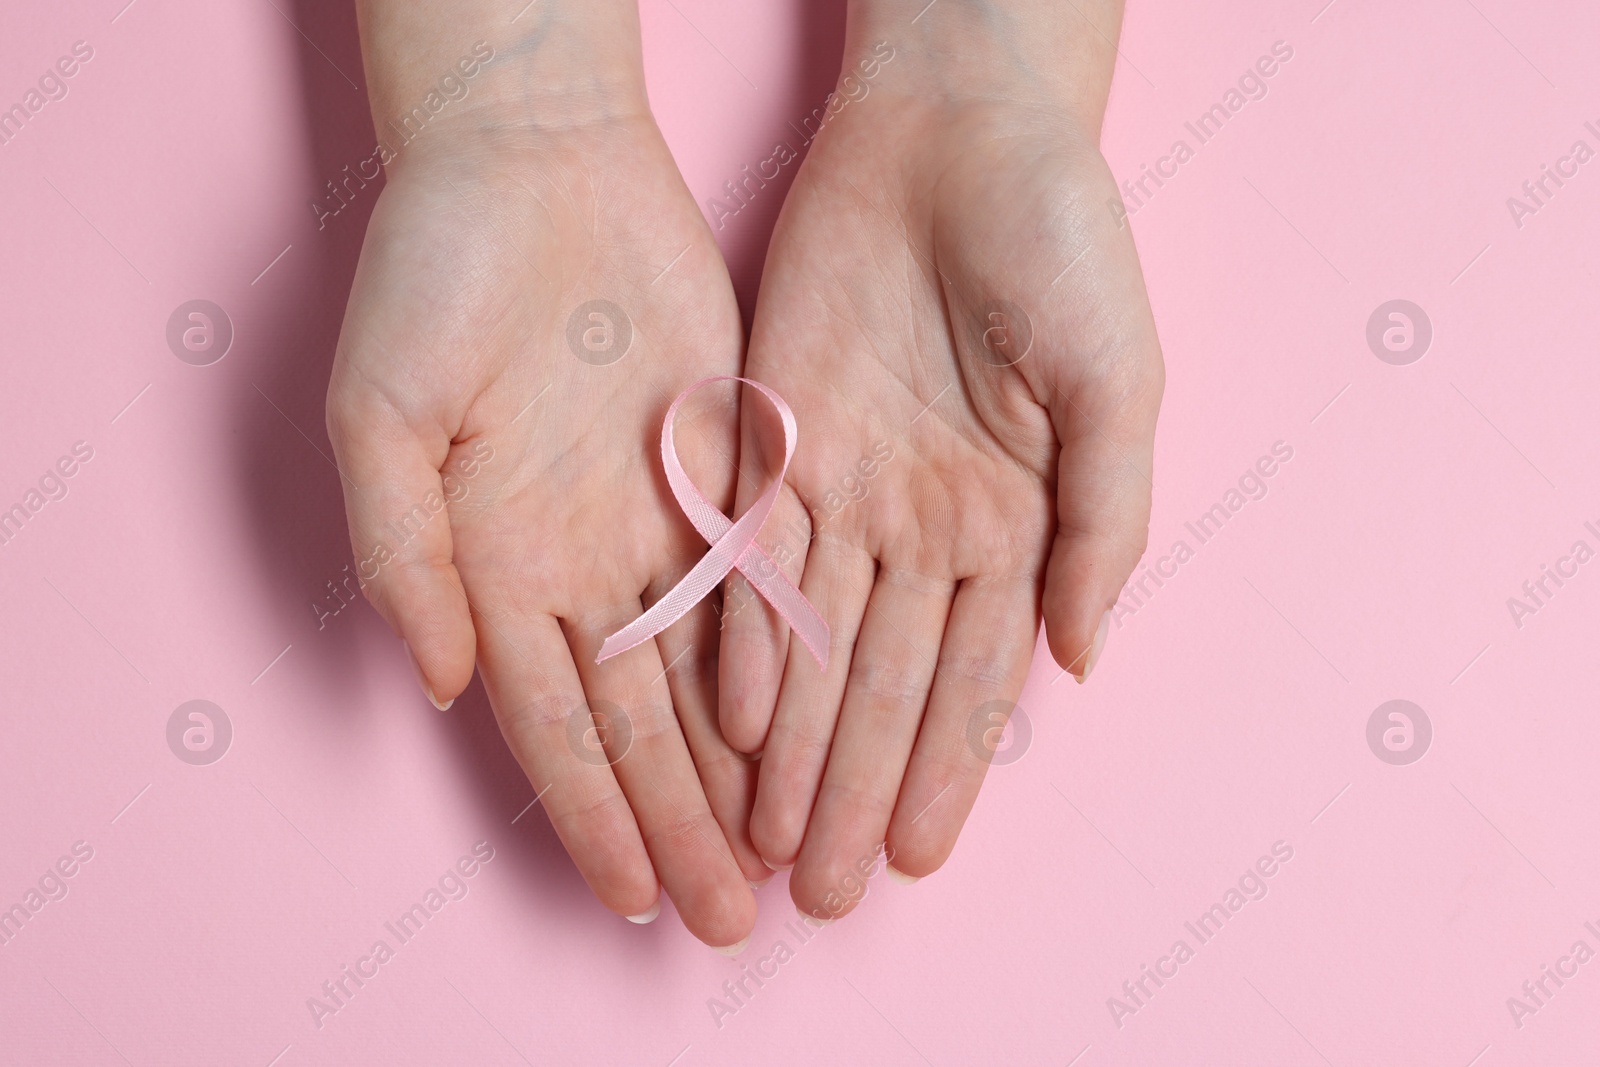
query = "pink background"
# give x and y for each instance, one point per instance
(1229, 711)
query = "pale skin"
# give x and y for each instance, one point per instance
(968, 176)
(966, 183)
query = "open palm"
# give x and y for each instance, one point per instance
(963, 333)
(526, 307)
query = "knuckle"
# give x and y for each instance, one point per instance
(866, 807)
(775, 835)
(525, 724)
(604, 809)
(923, 584)
(894, 684)
(680, 836)
(653, 723)
(723, 765)
(984, 670)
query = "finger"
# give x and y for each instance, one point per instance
(1106, 425)
(645, 744)
(689, 651)
(988, 648)
(534, 689)
(837, 580)
(396, 500)
(755, 639)
(890, 675)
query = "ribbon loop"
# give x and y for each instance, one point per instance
(733, 545)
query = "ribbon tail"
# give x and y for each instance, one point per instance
(762, 573)
(713, 567)
(678, 602)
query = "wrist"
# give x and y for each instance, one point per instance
(469, 67)
(1043, 55)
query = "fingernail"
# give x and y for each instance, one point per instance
(808, 917)
(900, 876)
(758, 885)
(780, 866)
(646, 916)
(1094, 649)
(422, 680)
(734, 950)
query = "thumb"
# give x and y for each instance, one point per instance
(1105, 422)
(397, 504)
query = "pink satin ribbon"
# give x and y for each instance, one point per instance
(733, 546)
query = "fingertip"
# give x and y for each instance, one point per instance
(435, 626)
(1083, 582)
(443, 662)
(1096, 647)
(755, 870)
(1077, 638)
(644, 918)
(422, 680)
(776, 841)
(726, 919)
(916, 851)
(743, 729)
(625, 883)
(748, 673)
(823, 895)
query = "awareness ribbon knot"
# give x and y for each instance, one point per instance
(733, 546)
